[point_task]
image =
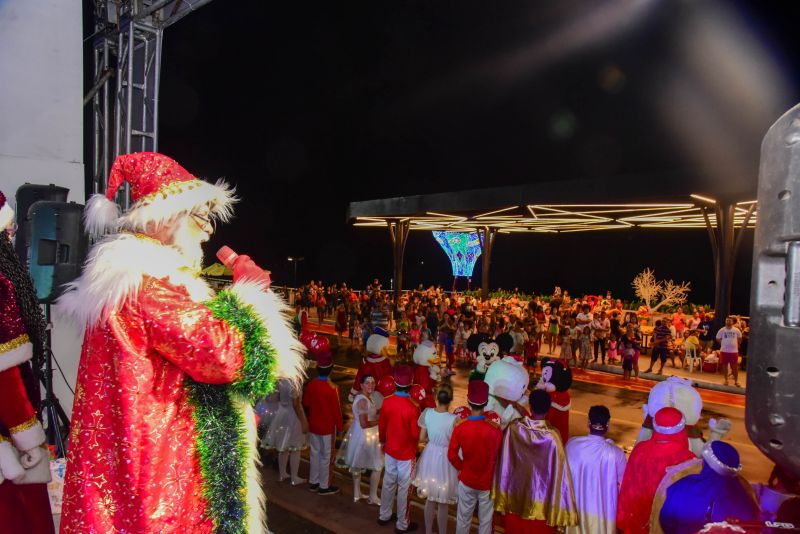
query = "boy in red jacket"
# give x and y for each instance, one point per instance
(479, 443)
(321, 402)
(399, 433)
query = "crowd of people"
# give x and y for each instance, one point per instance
(578, 330)
(505, 456)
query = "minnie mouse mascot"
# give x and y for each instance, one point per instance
(556, 381)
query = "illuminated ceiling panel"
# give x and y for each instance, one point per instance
(568, 218)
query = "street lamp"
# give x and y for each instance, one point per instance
(295, 260)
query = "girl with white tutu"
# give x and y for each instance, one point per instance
(361, 448)
(288, 430)
(437, 479)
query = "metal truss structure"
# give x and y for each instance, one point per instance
(127, 63)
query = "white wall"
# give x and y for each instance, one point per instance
(41, 120)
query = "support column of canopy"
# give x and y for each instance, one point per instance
(398, 231)
(725, 242)
(487, 235)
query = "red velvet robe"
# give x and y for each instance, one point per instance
(24, 506)
(646, 467)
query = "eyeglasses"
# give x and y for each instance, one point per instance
(205, 223)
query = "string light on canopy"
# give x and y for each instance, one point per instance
(462, 248)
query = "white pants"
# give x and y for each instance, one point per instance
(467, 499)
(397, 477)
(320, 459)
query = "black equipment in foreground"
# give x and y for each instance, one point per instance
(773, 369)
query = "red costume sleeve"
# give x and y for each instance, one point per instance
(382, 421)
(452, 451)
(16, 409)
(413, 426)
(187, 334)
(335, 396)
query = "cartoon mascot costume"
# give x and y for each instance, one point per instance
(556, 381)
(377, 362)
(508, 385)
(24, 459)
(427, 372)
(678, 393)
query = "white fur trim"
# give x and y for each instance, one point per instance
(274, 314)
(669, 430)
(371, 358)
(256, 520)
(6, 216)
(162, 209)
(16, 356)
(376, 343)
(100, 216)
(717, 465)
(10, 467)
(30, 438)
(113, 274)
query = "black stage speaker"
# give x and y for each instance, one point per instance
(773, 367)
(58, 246)
(26, 195)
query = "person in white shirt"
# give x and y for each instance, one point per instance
(584, 317)
(597, 465)
(601, 326)
(729, 338)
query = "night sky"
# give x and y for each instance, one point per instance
(306, 107)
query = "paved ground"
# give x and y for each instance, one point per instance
(339, 513)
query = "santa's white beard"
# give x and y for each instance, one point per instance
(190, 243)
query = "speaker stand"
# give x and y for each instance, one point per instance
(50, 407)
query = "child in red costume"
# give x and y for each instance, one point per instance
(24, 460)
(478, 442)
(398, 431)
(321, 401)
(377, 363)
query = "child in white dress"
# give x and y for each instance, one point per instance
(288, 430)
(361, 448)
(437, 479)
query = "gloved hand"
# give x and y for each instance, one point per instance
(31, 457)
(10, 468)
(719, 428)
(245, 268)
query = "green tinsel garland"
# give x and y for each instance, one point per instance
(223, 450)
(258, 373)
(221, 432)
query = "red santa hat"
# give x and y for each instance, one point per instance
(160, 190)
(668, 421)
(6, 213)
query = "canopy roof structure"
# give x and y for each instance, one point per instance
(601, 205)
(567, 218)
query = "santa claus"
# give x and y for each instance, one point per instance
(163, 433)
(377, 362)
(24, 459)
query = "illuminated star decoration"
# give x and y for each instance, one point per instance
(462, 248)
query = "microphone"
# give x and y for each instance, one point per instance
(227, 256)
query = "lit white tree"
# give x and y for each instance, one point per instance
(649, 289)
